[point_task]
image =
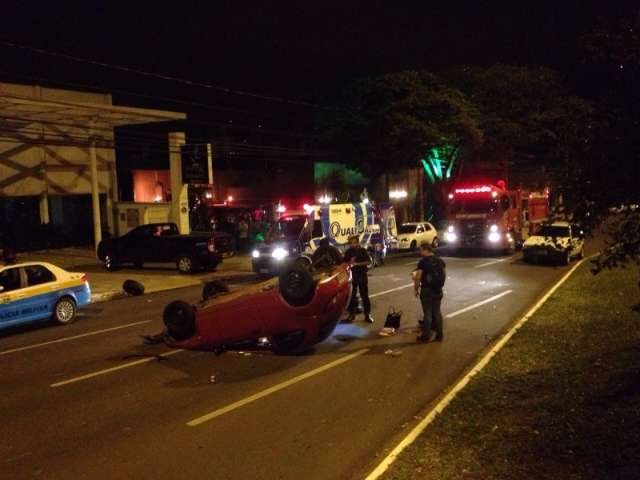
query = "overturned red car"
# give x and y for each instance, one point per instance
(293, 312)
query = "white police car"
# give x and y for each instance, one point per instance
(38, 290)
(559, 241)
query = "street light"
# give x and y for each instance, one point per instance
(398, 194)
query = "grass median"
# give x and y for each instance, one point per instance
(561, 400)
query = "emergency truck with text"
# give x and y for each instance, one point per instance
(296, 236)
(491, 217)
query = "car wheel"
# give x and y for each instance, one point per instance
(65, 311)
(133, 287)
(110, 262)
(180, 319)
(435, 243)
(211, 289)
(413, 246)
(185, 264)
(566, 259)
(297, 286)
(287, 343)
(302, 262)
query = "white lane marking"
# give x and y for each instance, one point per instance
(384, 292)
(479, 304)
(444, 402)
(74, 337)
(114, 369)
(280, 386)
(415, 262)
(492, 262)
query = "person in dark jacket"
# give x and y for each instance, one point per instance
(359, 260)
(428, 280)
(326, 255)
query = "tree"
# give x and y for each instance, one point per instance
(392, 121)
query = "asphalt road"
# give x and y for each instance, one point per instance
(91, 401)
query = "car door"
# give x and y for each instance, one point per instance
(429, 233)
(13, 299)
(41, 291)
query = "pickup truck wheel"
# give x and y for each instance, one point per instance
(185, 264)
(65, 311)
(296, 286)
(211, 289)
(110, 262)
(180, 319)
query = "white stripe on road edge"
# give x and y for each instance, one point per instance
(113, 369)
(476, 305)
(401, 287)
(442, 404)
(66, 339)
(240, 403)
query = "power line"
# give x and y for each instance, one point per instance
(169, 78)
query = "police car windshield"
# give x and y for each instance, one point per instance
(551, 231)
(407, 228)
(287, 227)
(474, 205)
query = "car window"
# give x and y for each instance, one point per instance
(427, 227)
(37, 274)
(420, 230)
(10, 279)
(407, 229)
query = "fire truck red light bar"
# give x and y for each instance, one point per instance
(484, 189)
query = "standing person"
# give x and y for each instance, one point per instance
(243, 235)
(428, 280)
(359, 260)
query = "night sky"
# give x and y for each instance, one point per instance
(298, 50)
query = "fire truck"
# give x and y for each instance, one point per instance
(491, 217)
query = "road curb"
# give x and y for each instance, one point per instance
(445, 400)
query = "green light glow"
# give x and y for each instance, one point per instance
(439, 163)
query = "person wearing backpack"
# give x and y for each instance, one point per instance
(429, 279)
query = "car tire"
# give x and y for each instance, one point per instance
(211, 289)
(110, 262)
(180, 320)
(185, 264)
(64, 312)
(133, 288)
(566, 259)
(435, 243)
(287, 343)
(413, 246)
(297, 286)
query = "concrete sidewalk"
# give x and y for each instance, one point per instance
(154, 276)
